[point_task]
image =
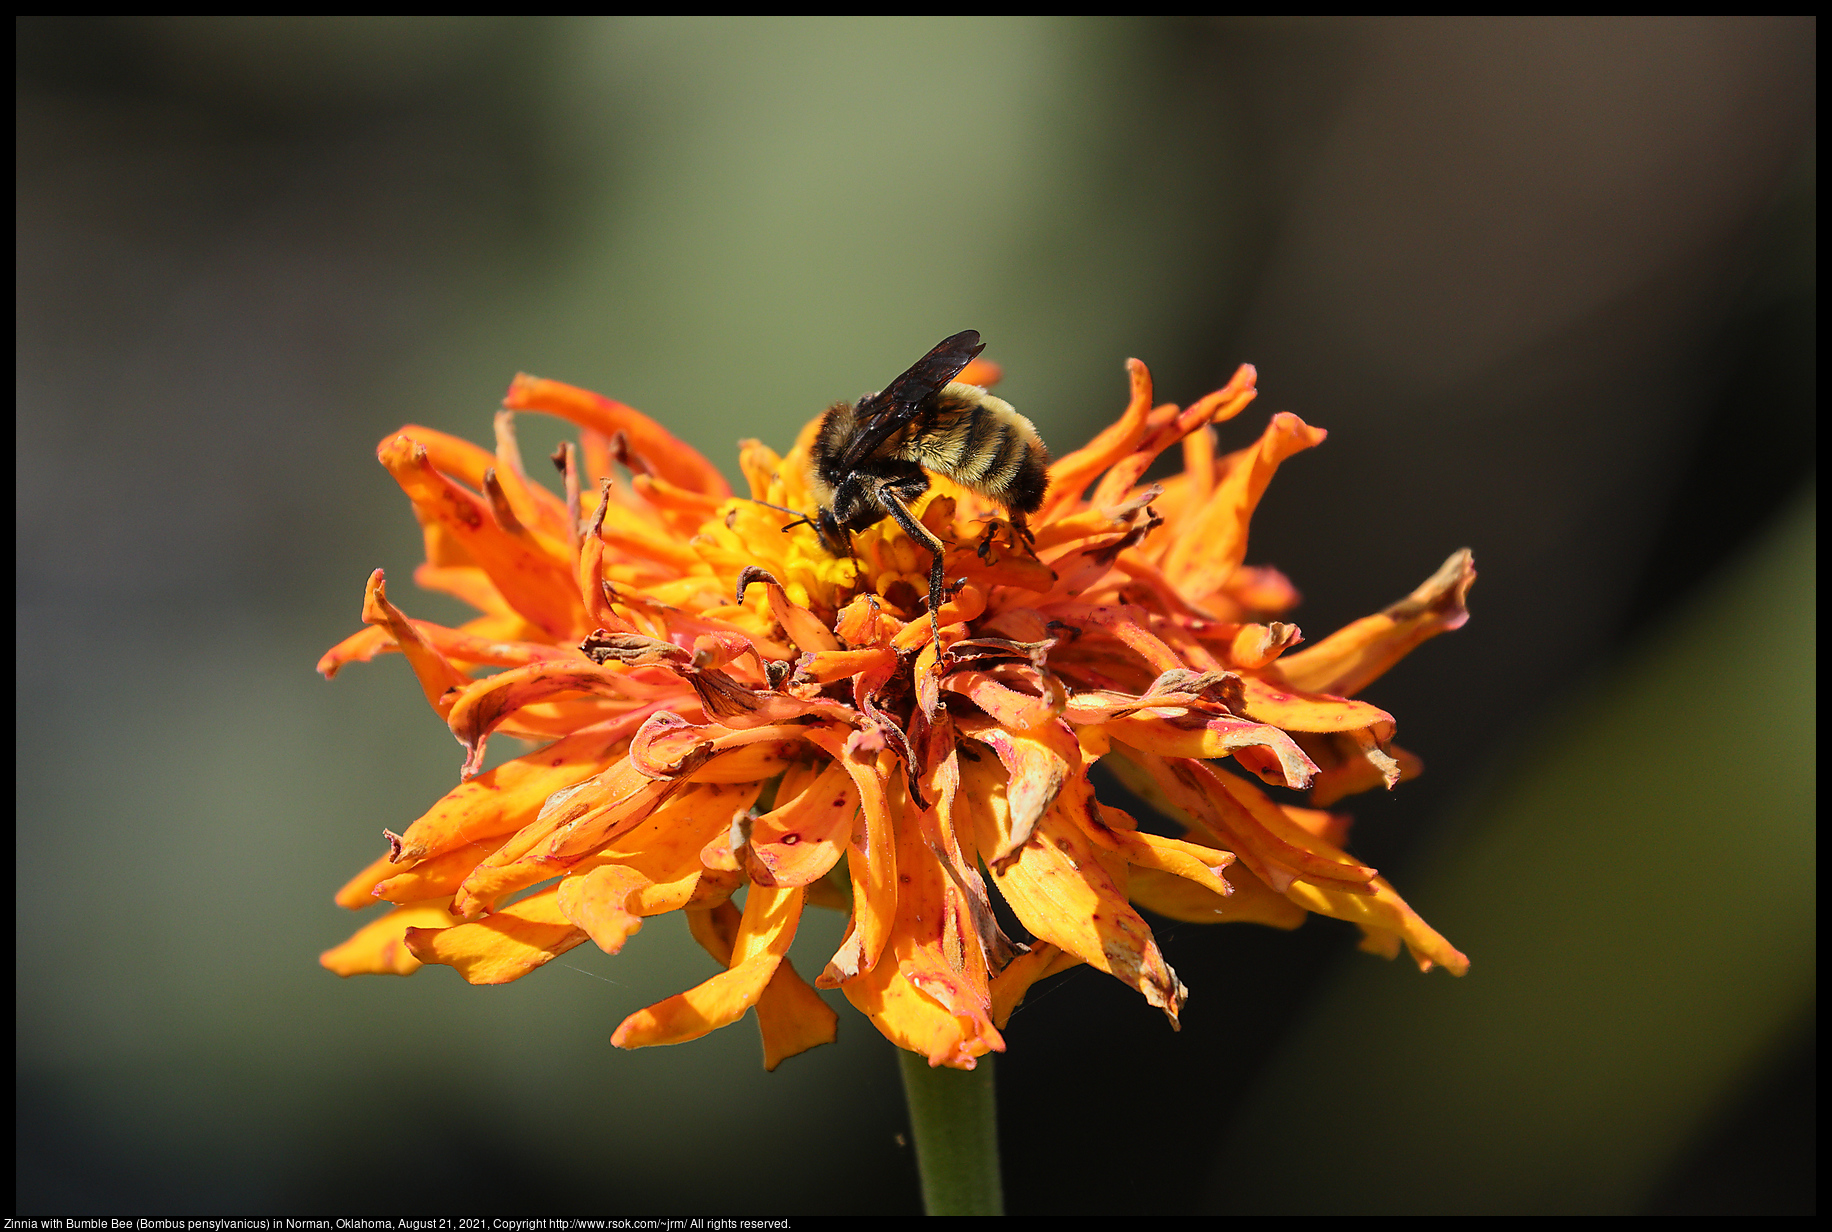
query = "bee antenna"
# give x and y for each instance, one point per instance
(802, 519)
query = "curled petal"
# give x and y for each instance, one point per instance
(1010, 985)
(1196, 735)
(1349, 659)
(436, 675)
(1037, 763)
(486, 704)
(599, 901)
(802, 626)
(1071, 473)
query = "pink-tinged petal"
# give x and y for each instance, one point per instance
(799, 841)
(484, 705)
(1012, 708)
(1037, 764)
(871, 856)
(1194, 735)
(1349, 659)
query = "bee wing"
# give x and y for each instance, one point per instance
(883, 413)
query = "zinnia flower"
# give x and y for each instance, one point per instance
(720, 704)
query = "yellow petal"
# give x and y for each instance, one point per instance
(506, 946)
(768, 926)
(379, 947)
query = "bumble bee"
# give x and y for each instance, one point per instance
(872, 458)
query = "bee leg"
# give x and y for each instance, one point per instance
(1024, 531)
(921, 534)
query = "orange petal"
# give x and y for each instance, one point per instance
(666, 455)
(1010, 985)
(379, 948)
(1251, 902)
(486, 704)
(437, 677)
(1168, 429)
(1212, 543)
(1012, 708)
(768, 926)
(359, 891)
(359, 647)
(1071, 473)
(506, 946)
(917, 995)
(803, 627)
(438, 877)
(536, 584)
(1349, 659)
(1115, 830)
(1298, 711)
(598, 902)
(1386, 920)
(828, 666)
(1240, 817)
(791, 1017)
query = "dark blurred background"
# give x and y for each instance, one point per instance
(1550, 285)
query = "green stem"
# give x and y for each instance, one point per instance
(956, 1123)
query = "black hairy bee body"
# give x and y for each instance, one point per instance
(873, 458)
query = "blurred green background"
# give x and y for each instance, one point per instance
(1550, 285)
